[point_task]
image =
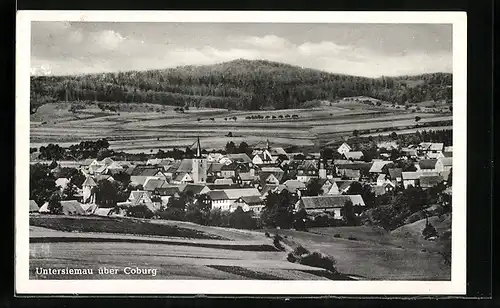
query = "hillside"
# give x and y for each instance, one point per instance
(238, 85)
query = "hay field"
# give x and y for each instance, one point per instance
(146, 129)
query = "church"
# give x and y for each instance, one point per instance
(192, 170)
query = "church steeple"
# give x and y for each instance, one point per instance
(198, 148)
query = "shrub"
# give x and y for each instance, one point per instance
(320, 260)
(300, 250)
(352, 238)
(291, 258)
(267, 234)
(429, 231)
(337, 235)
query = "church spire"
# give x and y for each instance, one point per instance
(198, 148)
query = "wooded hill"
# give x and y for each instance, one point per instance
(238, 84)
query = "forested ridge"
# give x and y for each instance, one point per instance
(238, 84)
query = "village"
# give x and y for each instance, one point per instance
(317, 183)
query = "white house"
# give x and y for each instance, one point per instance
(344, 148)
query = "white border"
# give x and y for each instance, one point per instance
(457, 285)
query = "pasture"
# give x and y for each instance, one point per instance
(150, 128)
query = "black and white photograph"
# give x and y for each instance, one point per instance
(222, 152)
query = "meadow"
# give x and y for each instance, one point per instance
(154, 127)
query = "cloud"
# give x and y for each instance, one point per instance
(266, 41)
(108, 39)
(62, 48)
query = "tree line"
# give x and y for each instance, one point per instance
(238, 85)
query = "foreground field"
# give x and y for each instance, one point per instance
(148, 130)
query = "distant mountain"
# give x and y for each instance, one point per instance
(239, 84)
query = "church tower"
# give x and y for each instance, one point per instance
(199, 170)
(322, 167)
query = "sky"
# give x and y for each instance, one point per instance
(370, 50)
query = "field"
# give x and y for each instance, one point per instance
(374, 254)
(150, 127)
(239, 255)
(222, 253)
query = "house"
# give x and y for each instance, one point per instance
(214, 169)
(270, 178)
(343, 186)
(432, 147)
(411, 178)
(195, 189)
(387, 187)
(214, 157)
(220, 200)
(103, 212)
(448, 149)
(224, 182)
(235, 193)
(294, 186)
(182, 178)
(89, 190)
(427, 165)
(33, 207)
(382, 179)
(246, 178)
(409, 152)
(354, 155)
(141, 173)
(262, 158)
(350, 174)
(331, 188)
(444, 164)
(248, 203)
(153, 183)
(239, 158)
(69, 207)
(140, 197)
(432, 155)
(228, 171)
(378, 166)
(165, 193)
(193, 170)
(428, 181)
(266, 189)
(332, 204)
(307, 170)
(388, 145)
(396, 174)
(343, 149)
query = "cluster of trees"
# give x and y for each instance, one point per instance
(239, 85)
(260, 117)
(83, 150)
(105, 107)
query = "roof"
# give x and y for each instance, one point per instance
(448, 154)
(381, 177)
(411, 175)
(138, 179)
(345, 145)
(152, 183)
(378, 165)
(33, 206)
(354, 154)
(448, 149)
(378, 190)
(427, 181)
(277, 151)
(271, 169)
(241, 192)
(251, 199)
(330, 201)
(214, 167)
(436, 146)
(194, 188)
(167, 190)
(395, 173)
(387, 145)
(185, 166)
(137, 194)
(145, 170)
(247, 176)
(446, 161)
(173, 168)
(218, 195)
(427, 163)
(240, 157)
(102, 211)
(267, 188)
(228, 167)
(107, 161)
(180, 176)
(89, 181)
(224, 182)
(356, 166)
(101, 177)
(350, 173)
(116, 166)
(294, 185)
(343, 185)
(265, 175)
(72, 207)
(62, 182)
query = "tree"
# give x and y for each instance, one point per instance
(313, 188)
(42, 183)
(69, 191)
(299, 220)
(107, 193)
(355, 133)
(394, 136)
(417, 118)
(140, 211)
(54, 204)
(230, 147)
(278, 209)
(349, 215)
(241, 220)
(53, 164)
(365, 191)
(123, 178)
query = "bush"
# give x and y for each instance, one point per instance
(429, 231)
(300, 250)
(267, 234)
(291, 258)
(320, 260)
(337, 235)
(352, 238)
